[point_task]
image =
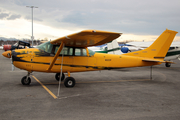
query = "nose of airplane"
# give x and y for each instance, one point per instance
(7, 54)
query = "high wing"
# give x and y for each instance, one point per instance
(87, 38)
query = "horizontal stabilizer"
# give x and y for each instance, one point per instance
(153, 60)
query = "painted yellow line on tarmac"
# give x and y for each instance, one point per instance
(45, 87)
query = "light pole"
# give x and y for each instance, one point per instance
(32, 37)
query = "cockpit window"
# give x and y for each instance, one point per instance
(47, 47)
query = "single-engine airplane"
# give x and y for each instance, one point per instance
(71, 53)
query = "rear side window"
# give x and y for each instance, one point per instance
(80, 52)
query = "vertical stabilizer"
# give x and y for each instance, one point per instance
(159, 48)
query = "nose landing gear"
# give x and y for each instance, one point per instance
(26, 80)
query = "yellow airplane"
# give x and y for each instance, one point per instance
(70, 54)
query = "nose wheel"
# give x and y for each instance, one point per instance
(26, 80)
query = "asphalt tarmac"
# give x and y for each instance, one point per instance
(123, 94)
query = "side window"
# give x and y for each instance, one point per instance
(56, 49)
(65, 51)
(80, 52)
(77, 52)
(84, 52)
(70, 51)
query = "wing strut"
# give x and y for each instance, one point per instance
(55, 57)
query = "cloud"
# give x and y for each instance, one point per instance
(3, 15)
(9, 16)
(141, 17)
(13, 17)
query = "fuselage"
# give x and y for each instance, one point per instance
(72, 59)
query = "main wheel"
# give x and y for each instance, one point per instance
(69, 82)
(25, 81)
(57, 76)
(168, 64)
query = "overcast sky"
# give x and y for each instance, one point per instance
(136, 19)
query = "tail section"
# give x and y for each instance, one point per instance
(159, 48)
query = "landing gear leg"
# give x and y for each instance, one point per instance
(69, 81)
(26, 80)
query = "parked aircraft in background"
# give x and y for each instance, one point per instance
(18, 45)
(6, 47)
(70, 54)
(110, 48)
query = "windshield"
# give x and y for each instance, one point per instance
(47, 47)
(91, 53)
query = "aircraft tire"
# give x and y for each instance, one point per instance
(69, 82)
(24, 81)
(168, 64)
(58, 75)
